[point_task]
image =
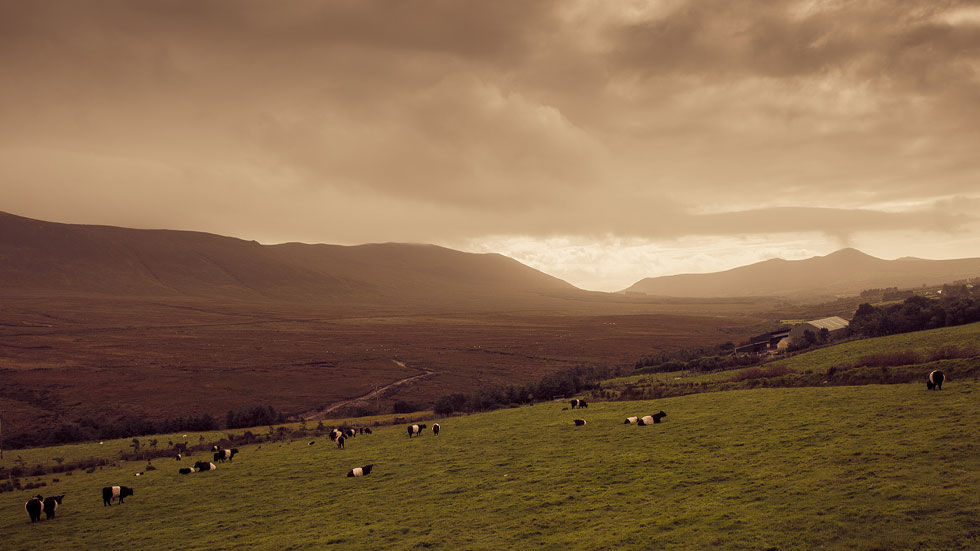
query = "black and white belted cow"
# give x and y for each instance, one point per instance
(350, 433)
(631, 420)
(204, 466)
(34, 507)
(222, 455)
(360, 471)
(340, 442)
(576, 403)
(435, 429)
(110, 493)
(580, 422)
(935, 381)
(51, 504)
(335, 434)
(416, 430)
(185, 470)
(651, 419)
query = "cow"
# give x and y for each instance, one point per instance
(415, 430)
(34, 507)
(215, 448)
(139, 473)
(311, 442)
(658, 416)
(576, 403)
(204, 466)
(340, 442)
(435, 429)
(179, 457)
(936, 379)
(579, 422)
(631, 420)
(645, 420)
(110, 493)
(51, 504)
(360, 471)
(221, 454)
(185, 470)
(335, 434)
(350, 433)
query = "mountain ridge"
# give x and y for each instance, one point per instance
(842, 272)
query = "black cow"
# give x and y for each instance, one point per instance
(221, 454)
(185, 470)
(435, 429)
(579, 422)
(115, 492)
(415, 430)
(34, 507)
(51, 504)
(360, 471)
(936, 379)
(204, 466)
(340, 441)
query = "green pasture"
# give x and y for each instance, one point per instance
(852, 468)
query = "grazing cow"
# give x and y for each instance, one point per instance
(631, 420)
(435, 429)
(335, 434)
(360, 471)
(51, 504)
(179, 457)
(221, 455)
(367, 430)
(579, 422)
(645, 420)
(110, 493)
(185, 470)
(415, 430)
(350, 433)
(658, 416)
(34, 507)
(204, 466)
(311, 442)
(575, 403)
(340, 442)
(936, 379)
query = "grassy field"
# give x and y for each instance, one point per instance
(864, 467)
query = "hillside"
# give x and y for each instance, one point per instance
(732, 470)
(37, 256)
(847, 271)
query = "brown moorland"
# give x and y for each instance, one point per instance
(114, 322)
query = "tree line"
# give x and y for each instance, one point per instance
(561, 383)
(957, 306)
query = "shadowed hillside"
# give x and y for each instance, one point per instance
(847, 271)
(46, 256)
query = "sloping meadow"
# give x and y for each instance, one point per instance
(866, 467)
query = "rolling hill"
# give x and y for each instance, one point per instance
(53, 257)
(845, 272)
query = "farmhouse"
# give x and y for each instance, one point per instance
(835, 326)
(766, 343)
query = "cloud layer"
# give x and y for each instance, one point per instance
(449, 122)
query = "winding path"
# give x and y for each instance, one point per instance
(324, 412)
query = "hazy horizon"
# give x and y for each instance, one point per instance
(600, 143)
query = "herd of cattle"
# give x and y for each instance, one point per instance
(48, 505)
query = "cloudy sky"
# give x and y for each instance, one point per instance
(599, 141)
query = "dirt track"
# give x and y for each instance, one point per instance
(374, 394)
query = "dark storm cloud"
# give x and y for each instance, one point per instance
(366, 120)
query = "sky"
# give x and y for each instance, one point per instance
(601, 142)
